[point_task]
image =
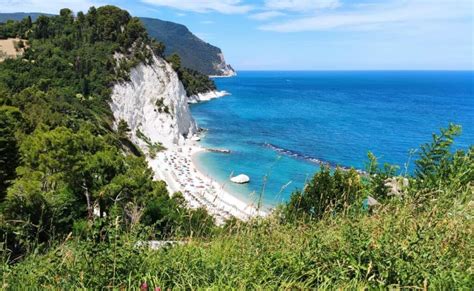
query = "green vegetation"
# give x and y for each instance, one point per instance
(62, 168)
(10, 121)
(12, 29)
(78, 204)
(194, 77)
(153, 148)
(193, 81)
(195, 54)
(161, 107)
(172, 38)
(123, 129)
(323, 238)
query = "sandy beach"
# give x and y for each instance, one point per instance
(177, 168)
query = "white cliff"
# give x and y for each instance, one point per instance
(207, 96)
(154, 105)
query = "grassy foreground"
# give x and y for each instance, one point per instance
(398, 246)
(421, 241)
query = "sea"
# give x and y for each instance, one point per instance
(281, 126)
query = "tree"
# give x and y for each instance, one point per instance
(326, 192)
(42, 27)
(123, 129)
(158, 48)
(110, 21)
(440, 166)
(133, 31)
(65, 13)
(21, 45)
(10, 121)
(435, 156)
(175, 61)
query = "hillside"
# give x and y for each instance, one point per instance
(18, 16)
(59, 138)
(194, 52)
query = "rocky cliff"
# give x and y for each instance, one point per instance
(222, 68)
(154, 105)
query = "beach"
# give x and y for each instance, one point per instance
(177, 167)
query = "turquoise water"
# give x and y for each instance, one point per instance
(281, 125)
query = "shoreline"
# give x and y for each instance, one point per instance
(229, 75)
(203, 97)
(178, 168)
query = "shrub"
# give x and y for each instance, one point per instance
(326, 193)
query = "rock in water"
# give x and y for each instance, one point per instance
(240, 179)
(222, 151)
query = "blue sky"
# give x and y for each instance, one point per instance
(313, 34)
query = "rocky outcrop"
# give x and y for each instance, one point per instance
(223, 69)
(202, 97)
(154, 105)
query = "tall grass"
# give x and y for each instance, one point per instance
(398, 246)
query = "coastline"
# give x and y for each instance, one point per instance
(177, 167)
(225, 75)
(203, 97)
(135, 102)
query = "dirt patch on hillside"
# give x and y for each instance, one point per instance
(11, 48)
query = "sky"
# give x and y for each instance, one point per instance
(312, 34)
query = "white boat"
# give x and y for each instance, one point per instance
(240, 179)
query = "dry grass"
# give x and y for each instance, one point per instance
(9, 49)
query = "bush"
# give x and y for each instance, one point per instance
(193, 81)
(326, 192)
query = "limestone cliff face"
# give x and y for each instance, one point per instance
(202, 97)
(154, 105)
(224, 69)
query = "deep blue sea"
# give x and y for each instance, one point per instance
(277, 124)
